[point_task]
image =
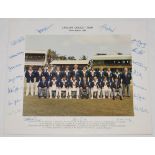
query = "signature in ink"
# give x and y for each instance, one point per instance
(15, 102)
(141, 109)
(140, 64)
(15, 55)
(139, 97)
(44, 29)
(14, 89)
(14, 67)
(139, 43)
(138, 51)
(15, 78)
(137, 73)
(18, 40)
(108, 28)
(139, 86)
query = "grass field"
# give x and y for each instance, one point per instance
(33, 106)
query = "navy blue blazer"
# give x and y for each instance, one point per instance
(77, 74)
(30, 77)
(81, 83)
(64, 83)
(103, 83)
(58, 76)
(126, 78)
(93, 83)
(38, 76)
(67, 74)
(117, 75)
(48, 75)
(76, 84)
(116, 85)
(43, 84)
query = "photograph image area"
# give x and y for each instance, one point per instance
(78, 75)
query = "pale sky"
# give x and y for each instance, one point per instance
(78, 45)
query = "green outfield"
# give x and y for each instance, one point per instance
(33, 106)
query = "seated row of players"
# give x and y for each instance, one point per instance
(102, 83)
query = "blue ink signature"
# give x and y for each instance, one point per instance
(14, 89)
(139, 86)
(15, 78)
(139, 43)
(139, 97)
(15, 55)
(108, 28)
(138, 51)
(43, 29)
(141, 109)
(137, 73)
(14, 67)
(18, 40)
(139, 64)
(15, 102)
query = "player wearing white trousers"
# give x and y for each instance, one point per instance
(106, 91)
(36, 88)
(95, 88)
(74, 89)
(51, 89)
(29, 88)
(30, 75)
(63, 88)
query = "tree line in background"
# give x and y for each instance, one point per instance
(52, 55)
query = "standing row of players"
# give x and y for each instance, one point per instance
(102, 83)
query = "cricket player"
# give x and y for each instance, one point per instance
(84, 72)
(76, 72)
(63, 87)
(84, 85)
(38, 76)
(116, 88)
(30, 75)
(58, 74)
(43, 88)
(95, 88)
(53, 87)
(48, 74)
(67, 73)
(109, 75)
(117, 74)
(126, 80)
(105, 86)
(74, 88)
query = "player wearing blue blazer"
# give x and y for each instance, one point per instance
(43, 88)
(126, 80)
(67, 73)
(58, 74)
(48, 74)
(29, 75)
(76, 72)
(38, 76)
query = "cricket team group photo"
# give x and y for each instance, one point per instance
(67, 83)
